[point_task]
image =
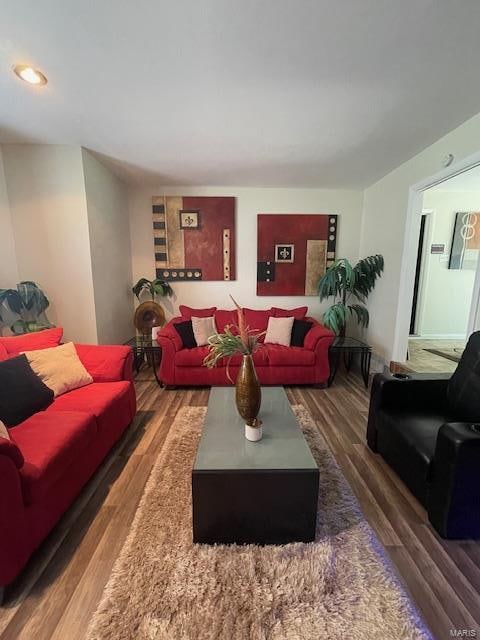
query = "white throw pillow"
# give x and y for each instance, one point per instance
(279, 331)
(59, 368)
(203, 328)
(4, 431)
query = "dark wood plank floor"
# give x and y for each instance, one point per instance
(56, 595)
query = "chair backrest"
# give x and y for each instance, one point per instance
(464, 386)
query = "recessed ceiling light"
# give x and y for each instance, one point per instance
(30, 75)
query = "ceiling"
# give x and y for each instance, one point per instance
(314, 93)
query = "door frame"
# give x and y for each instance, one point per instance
(429, 215)
(410, 250)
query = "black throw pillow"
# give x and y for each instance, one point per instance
(463, 391)
(185, 331)
(22, 393)
(299, 331)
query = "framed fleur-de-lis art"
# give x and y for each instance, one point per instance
(194, 238)
(293, 252)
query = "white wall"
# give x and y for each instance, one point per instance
(249, 202)
(109, 233)
(445, 294)
(383, 227)
(8, 258)
(47, 199)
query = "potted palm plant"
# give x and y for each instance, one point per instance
(150, 314)
(239, 339)
(349, 286)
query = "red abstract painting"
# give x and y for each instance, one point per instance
(194, 238)
(293, 252)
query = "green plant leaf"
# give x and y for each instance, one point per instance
(361, 314)
(335, 317)
(162, 288)
(142, 285)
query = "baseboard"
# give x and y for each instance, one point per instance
(439, 336)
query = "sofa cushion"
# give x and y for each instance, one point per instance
(50, 443)
(278, 355)
(22, 393)
(195, 358)
(203, 329)
(299, 331)
(185, 331)
(59, 368)
(188, 312)
(299, 313)
(407, 442)
(279, 331)
(257, 319)
(109, 402)
(29, 341)
(224, 317)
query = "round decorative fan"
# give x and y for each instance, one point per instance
(149, 314)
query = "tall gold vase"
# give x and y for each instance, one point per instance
(248, 394)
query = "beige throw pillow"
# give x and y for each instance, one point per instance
(203, 328)
(4, 431)
(279, 331)
(60, 368)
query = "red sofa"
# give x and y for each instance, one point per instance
(275, 364)
(52, 455)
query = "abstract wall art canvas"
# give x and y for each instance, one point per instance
(465, 241)
(293, 252)
(194, 238)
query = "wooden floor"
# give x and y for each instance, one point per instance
(422, 361)
(57, 593)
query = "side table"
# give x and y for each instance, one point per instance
(348, 347)
(146, 350)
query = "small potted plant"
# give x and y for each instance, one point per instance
(150, 314)
(239, 339)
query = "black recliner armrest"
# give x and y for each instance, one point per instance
(454, 492)
(417, 391)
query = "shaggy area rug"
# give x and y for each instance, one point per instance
(164, 587)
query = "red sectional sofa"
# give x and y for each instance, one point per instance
(275, 364)
(52, 455)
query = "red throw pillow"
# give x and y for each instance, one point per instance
(188, 312)
(299, 313)
(225, 317)
(3, 352)
(257, 319)
(32, 341)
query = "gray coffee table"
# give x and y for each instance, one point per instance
(253, 492)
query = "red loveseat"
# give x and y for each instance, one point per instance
(52, 455)
(275, 364)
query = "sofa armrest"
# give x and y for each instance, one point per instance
(9, 449)
(107, 363)
(414, 392)
(168, 336)
(316, 333)
(454, 491)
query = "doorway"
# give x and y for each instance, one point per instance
(445, 294)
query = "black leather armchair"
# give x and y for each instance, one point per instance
(427, 427)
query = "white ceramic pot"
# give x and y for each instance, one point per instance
(254, 434)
